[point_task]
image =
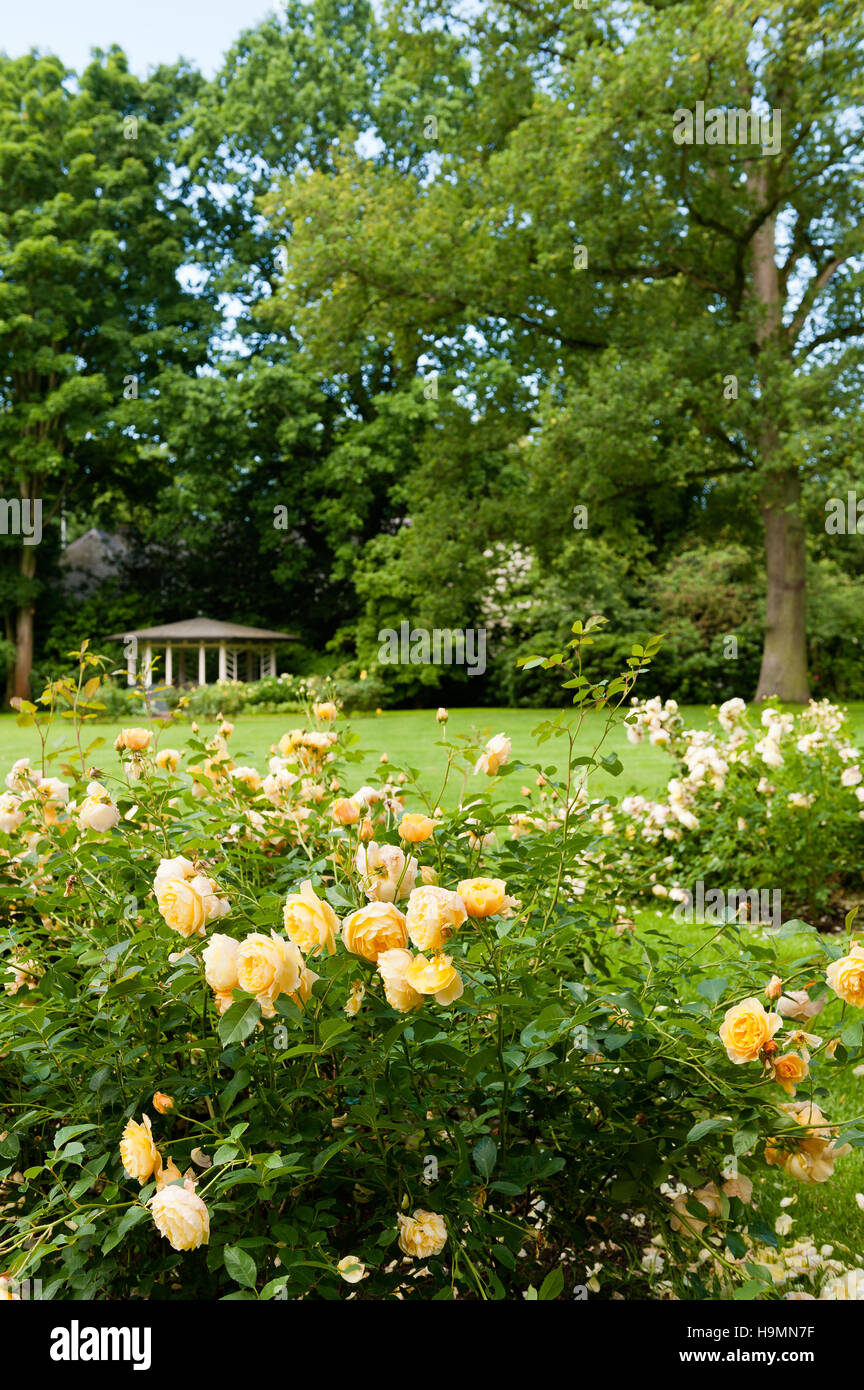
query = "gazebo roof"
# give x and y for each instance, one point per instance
(203, 630)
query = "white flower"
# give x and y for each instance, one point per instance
(850, 776)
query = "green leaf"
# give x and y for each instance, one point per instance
(552, 1285)
(704, 1127)
(239, 1021)
(485, 1155)
(241, 1266)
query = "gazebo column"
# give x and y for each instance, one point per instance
(148, 665)
(169, 664)
(202, 665)
(250, 664)
(181, 665)
(223, 662)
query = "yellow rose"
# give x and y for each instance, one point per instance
(375, 928)
(136, 740)
(392, 966)
(432, 915)
(268, 967)
(168, 759)
(220, 963)
(809, 1159)
(385, 873)
(181, 905)
(325, 710)
(181, 1217)
(846, 977)
(345, 811)
(138, 1153)
(414, 828)
(437, 976)
(249, 776)
(310, 922)
(789, 1071)
(746, 1029)
(422, 1235)
(483, 897)
(162, 1103)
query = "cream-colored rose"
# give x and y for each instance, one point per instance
(174, 868)
(351, 1269)
(249, 776)
(385, 873)
(432, 916)
(181, 1216)
(437, 976)
(392, 966)
(442, 714)
(846, 977)
(17, 776)
(415, 828)
(325, 709)
(422, 1235)
(746, 1029)
(138, 1153)
(135, 740)
(11, 814)
(483, 897)
(168, 759)
(495, 755)
(214, 906)
(268, 966)
(181, 906)
(797, 1004)
(220, 963)
(98, 813)
(355, 998)
(375, 928)
(310, 922)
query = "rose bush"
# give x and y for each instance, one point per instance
(255, 1046)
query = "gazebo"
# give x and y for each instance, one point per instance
(231, 641)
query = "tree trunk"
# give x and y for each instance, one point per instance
(24, 628)
(784, 655)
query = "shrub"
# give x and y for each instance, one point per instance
(212, 1088)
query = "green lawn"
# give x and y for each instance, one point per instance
(411, 738)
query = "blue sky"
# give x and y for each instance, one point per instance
(151, 31)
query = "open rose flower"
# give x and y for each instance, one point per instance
(422, 1235)
(310, 922)
(392, 966)
(746, 1029)
(415, 828)
(385, 873)
(375, 928)
(268, 966)
(846, 977)
(810, 1157)
(181, 1216)
(433, 914)
(138, 1153)
(483, 897)
(220, 963)
(437, 976)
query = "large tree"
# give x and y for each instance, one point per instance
(93, 232)
(690, 315)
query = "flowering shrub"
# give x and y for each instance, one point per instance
(263, 1038)
(777, 804)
